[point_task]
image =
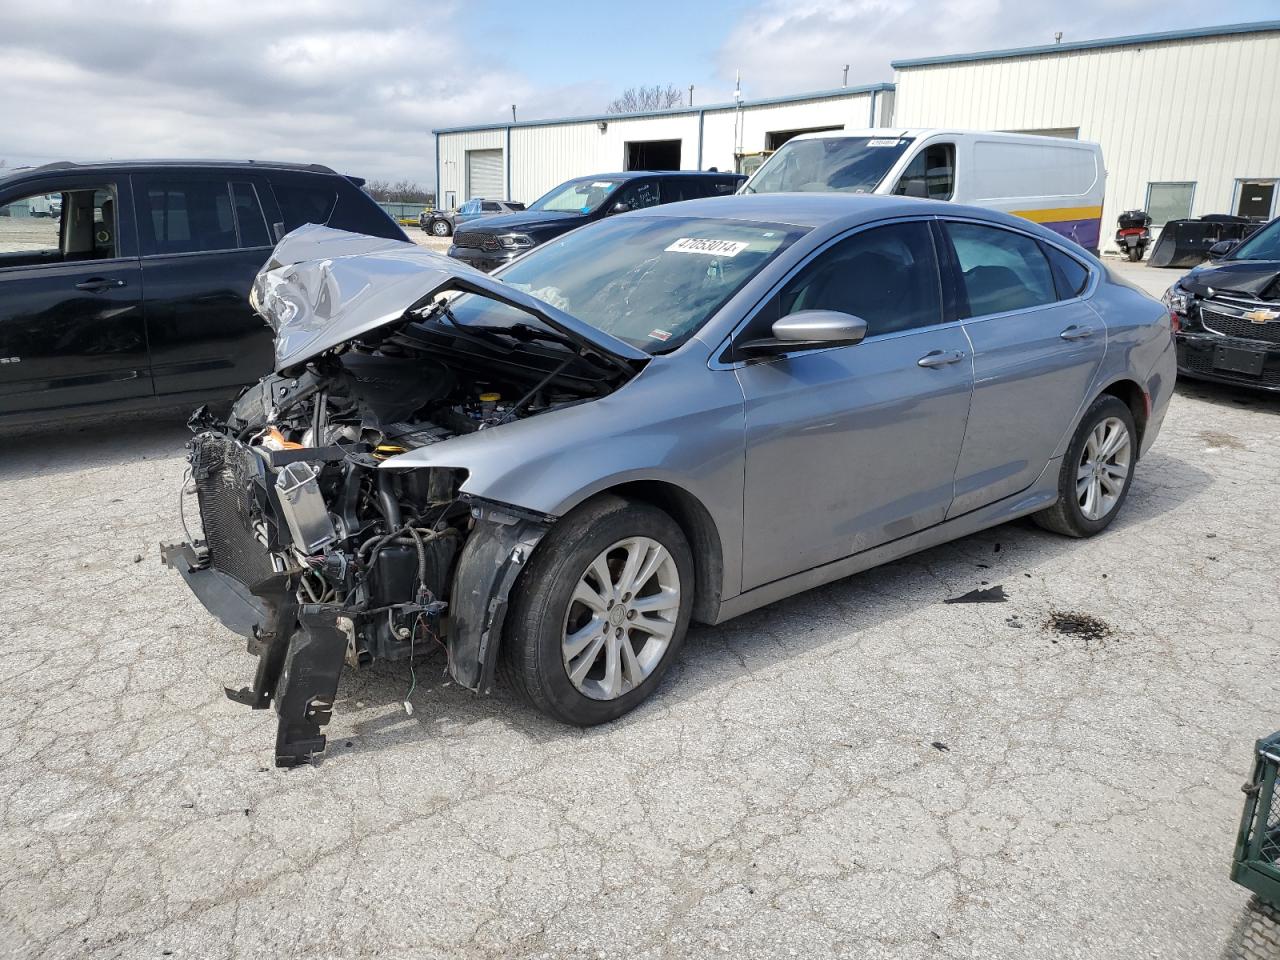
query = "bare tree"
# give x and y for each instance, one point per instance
(637, 99)
(401, 191)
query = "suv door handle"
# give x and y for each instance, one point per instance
(940, 358)
(1076, 332)
(94, 284)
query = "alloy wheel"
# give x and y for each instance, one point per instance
(1104, 468)
(621, 618)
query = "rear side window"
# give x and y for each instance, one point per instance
(304, 203)
(1069, 274)
(1001, 270)
(186, 216)
(249, 216)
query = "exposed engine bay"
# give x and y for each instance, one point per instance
(322, 553)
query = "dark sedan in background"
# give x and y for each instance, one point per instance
(497, 240)
(1228, 313)
(137, 294)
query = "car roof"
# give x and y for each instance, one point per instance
(821, 209)
(66, 166)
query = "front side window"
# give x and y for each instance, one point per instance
(1169, 201)
(1001, 270)
(576, 196)
(59, 226)
(829, 165)
(931, 173)
(887, 275)
(186, 216)
(650, 281)
(637, 196)
(490, 207)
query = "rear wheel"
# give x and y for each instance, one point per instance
(1135, 254)
(1096, 472)
(601, 611)
(440, 228)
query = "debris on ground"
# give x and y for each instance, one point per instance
(989, 595)
(1080, 626)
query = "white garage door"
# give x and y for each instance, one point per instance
(484, 174)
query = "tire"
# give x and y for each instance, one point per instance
(1069, 516)
(547, 610)
(1259, 933)
(441, 228)
(1135, 254)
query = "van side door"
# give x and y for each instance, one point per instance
(71, 323)
(1037, 347)
(204, 236)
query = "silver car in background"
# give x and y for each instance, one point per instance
(675, 414)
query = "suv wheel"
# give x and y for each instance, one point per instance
(601, 611)
(440, 228)
(1096, 472)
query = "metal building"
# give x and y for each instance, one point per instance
(1189, 120)
(522, 161)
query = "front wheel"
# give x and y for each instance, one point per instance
(601, 611)
(440, 228)
(1096, 471)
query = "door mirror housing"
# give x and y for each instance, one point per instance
(808, 330)
(1222, 248)
(620, 207)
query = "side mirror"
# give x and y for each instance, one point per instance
(808, 330)
(1222, 248)
(621, 207)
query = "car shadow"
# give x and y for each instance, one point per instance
(100, 441)
(1226, 394)
(722, 654)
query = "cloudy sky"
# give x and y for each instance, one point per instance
(359, 85)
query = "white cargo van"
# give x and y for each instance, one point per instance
(1052, 180)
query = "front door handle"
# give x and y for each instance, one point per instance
(1076, 332)
(94, 284)
(940, 358)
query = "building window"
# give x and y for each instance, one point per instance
(1169, 201)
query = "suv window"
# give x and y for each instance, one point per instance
(490, 207)
(1001, 270)
(59, 226)
(887, 275)
(304, 203)
(186, 216)
(639, 194)
(931, 173)
(249, 216)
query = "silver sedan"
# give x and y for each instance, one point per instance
(676, 414)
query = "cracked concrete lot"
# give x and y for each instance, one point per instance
(861, 771)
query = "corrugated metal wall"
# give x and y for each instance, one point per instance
(1205, 110)
(544, 155)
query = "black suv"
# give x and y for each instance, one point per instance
(136, 295)
(493, 241)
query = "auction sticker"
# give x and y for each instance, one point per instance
(715, 248)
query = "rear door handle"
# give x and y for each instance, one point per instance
(1076, 332)
(940, 358)
(94, 284)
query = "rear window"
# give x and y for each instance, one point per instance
(309, 203)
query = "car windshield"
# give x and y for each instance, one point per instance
(1263, 245)
(828, 164)
(649, 281)
(576, 196)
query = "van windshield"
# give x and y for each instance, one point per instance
(828, 164)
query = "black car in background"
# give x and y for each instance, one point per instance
(442, 223)
(137, 294)
(489, 243)
(1228, 313)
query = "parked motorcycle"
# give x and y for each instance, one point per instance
(1134, 234)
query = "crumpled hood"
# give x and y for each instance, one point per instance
(322, 287)
(1252, 277)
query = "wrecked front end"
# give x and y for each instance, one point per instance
(313, 544)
